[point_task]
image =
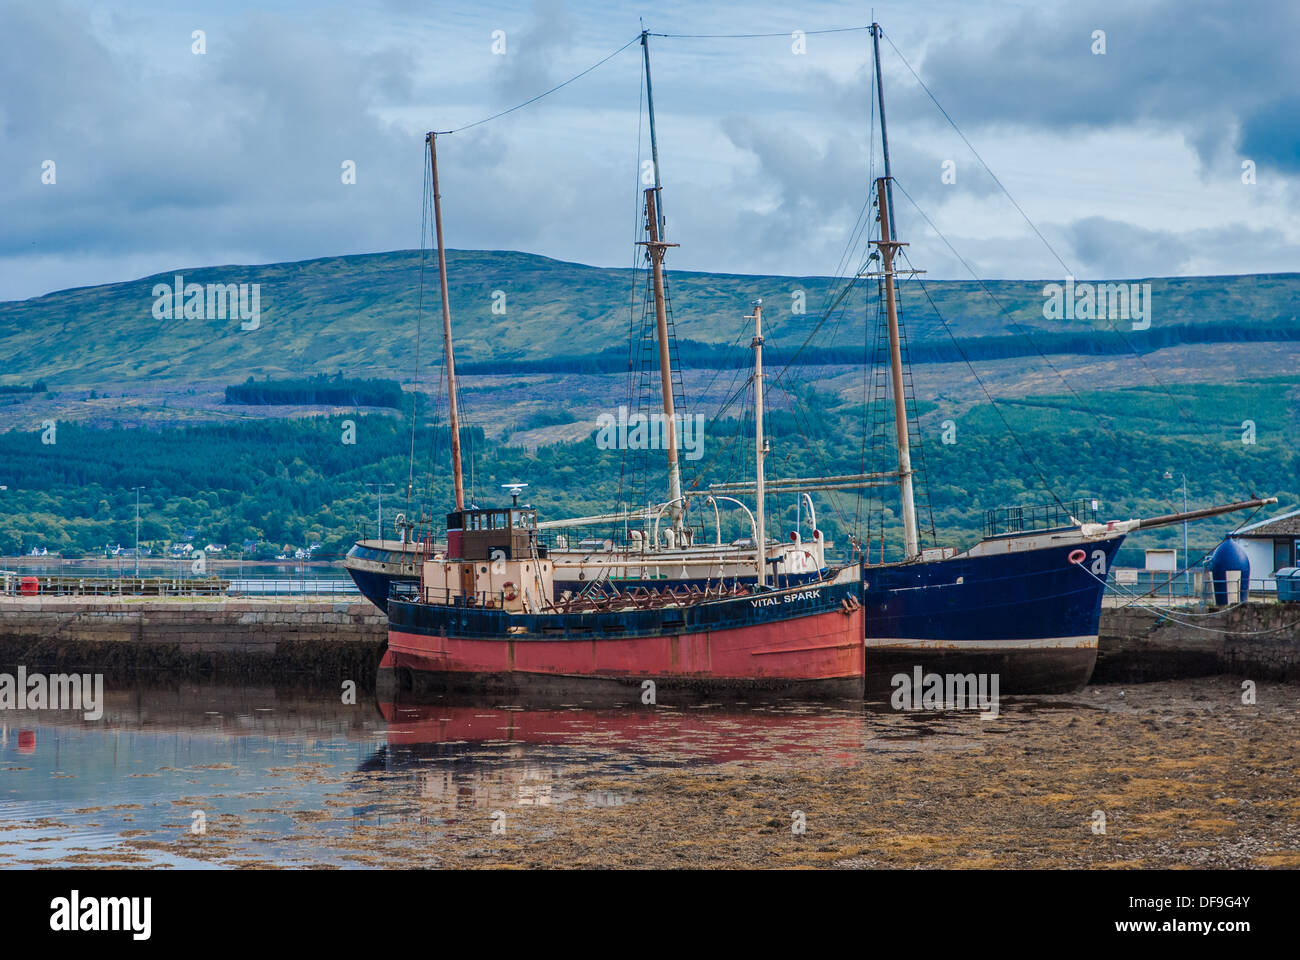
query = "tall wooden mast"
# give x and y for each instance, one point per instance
(654, 141)
(884, 133)
(888, 245)
(888, 248)
(656, 248)
(760, 448)
(449, 353)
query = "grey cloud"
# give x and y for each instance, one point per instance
(529, 64)
(242, 147)
(1196, 66)
(1271, 134)
(168, 160)
(1100, 247)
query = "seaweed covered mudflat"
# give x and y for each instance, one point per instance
(1180, 773)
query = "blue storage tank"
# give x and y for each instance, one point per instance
(1288, 584)
(1229, 555)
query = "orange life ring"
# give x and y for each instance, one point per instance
(1077, 556)
(508, 590)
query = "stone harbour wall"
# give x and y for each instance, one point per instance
(234, 638)
(1256, 640)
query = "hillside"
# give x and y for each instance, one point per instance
(357, 315)
(264, 461)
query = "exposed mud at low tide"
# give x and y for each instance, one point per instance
(1154, 775)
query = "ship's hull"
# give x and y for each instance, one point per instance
(802, 641)
(1028, 615)
(375, 565)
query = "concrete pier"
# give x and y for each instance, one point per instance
(230, 637)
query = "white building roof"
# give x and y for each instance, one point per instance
(1285, 529)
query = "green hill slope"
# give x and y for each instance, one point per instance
(358, 314)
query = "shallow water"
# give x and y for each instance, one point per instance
(203, 775)
(259, 765)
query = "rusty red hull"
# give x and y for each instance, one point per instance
(804, 640)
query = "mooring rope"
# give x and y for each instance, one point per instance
(1164, 614)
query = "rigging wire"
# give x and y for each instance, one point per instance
(1180, 408)
(1164, 613)
(971, 367)
(419, 329)
(868, 371)
(431, 455)
(1005, 312)
(632, 298)
(558, 86)
(752, 36)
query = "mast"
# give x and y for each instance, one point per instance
(884, 134)
(654, 142)
(453, 407)
(656, 248)
(888, 248)
(760, 446)
(656, 225)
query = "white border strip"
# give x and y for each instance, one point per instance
(1035, 643)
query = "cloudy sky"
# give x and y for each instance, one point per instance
(1130, 163)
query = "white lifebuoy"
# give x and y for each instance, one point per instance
(508, 590)
(1077, 556)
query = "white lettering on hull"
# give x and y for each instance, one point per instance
(788, 598)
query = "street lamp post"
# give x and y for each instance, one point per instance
(137, 531)
(1187, 561)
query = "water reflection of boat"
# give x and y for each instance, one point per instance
(638, 736)
(462, 756)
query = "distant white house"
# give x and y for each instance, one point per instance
(1270, 545)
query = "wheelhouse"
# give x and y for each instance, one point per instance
(479, 534)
